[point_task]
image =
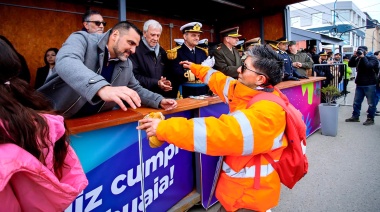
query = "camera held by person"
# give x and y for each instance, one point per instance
(361, 51)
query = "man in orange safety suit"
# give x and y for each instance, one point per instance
(241, 136)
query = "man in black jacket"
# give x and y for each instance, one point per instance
(367, 69)
(150, 62)
(377, 54)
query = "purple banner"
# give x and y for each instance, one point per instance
(306, 98)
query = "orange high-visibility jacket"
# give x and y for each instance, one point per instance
(239, 136)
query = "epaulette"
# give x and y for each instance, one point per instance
(282, 52)
(204, 49)
(172, 53)
(219, 47)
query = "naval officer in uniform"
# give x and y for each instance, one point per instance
(182, 79)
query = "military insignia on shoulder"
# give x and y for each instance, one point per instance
(172, 53)
(204, 49)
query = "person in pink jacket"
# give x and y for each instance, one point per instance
(39, 171)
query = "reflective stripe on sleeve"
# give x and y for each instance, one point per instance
(226, 87)
(247, 172)
(278, 141)
(246, 131)
(200, 135)
(208, 75)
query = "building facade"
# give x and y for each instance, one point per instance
(337, 19)
(372, 35)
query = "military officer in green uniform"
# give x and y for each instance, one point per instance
(227, 58)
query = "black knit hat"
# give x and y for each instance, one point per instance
(365, 48)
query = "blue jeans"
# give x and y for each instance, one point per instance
(377, 98)
(369, 92)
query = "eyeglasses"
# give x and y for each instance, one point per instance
(244, 67)
(97, 23)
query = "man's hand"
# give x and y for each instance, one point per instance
(119, 93)
(168, 104)
(164, 84)
(297, 64)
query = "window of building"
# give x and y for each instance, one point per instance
(357, 18)
(346, 38)
(343, 16)
(295, 21)
(316, 18)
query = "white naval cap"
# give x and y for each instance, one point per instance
(179, 41)
(191, 27)
(203, 41)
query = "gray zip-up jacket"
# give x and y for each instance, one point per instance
(78, 78)
(303, 58)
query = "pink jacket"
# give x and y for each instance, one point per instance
(27, 185)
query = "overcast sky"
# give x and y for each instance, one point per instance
(372, 7)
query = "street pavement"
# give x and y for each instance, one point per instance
(344, 171)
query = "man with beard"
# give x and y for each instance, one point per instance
(94, 74)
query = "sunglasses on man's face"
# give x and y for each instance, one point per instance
(97, 23)
(244, 67)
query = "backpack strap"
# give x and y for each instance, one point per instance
(283, 101)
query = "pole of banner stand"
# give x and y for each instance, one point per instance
(345, 101)
(142, 172)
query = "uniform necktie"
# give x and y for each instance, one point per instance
(192, 51)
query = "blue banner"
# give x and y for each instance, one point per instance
(110, 158)
(206, 165)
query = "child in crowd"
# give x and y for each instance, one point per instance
(38, 168)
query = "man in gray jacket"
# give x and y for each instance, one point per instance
(93, 74)
(301, 61)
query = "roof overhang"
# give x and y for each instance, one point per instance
(301, 34)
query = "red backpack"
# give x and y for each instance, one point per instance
(293, 164)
